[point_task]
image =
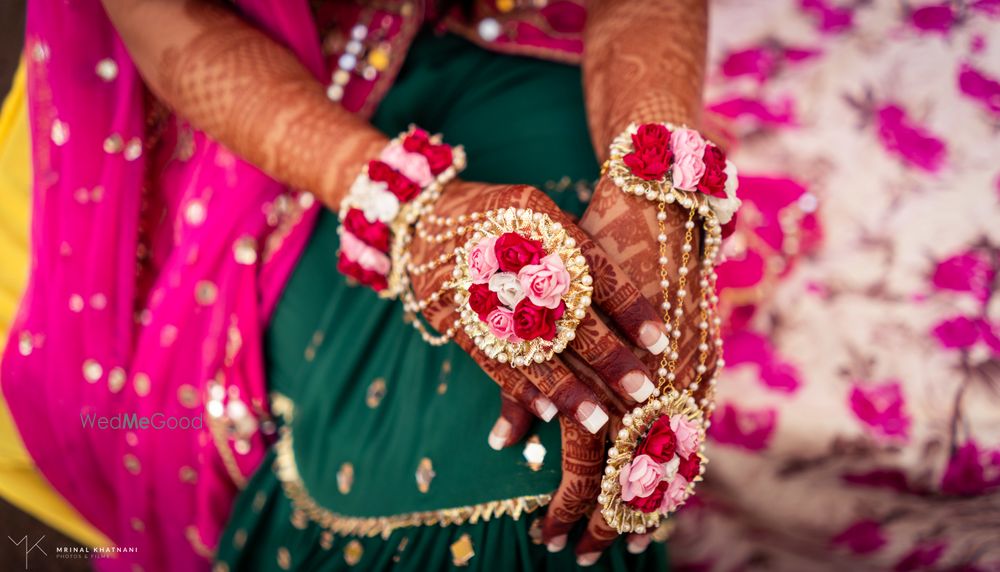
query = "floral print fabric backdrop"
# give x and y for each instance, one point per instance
(858, 423)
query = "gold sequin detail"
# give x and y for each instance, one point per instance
(92, 371)
(326, 540)
(137, 524)
(116, 379)
(188, 474)
(462, 551)
(220, 567)
(106, 69)
(534, 453)
(353, 552)
(258, 501)
(141, 384)
(113, 144)
(24, 344)
(376, 391)
(194, 212)
(239, 539)
(188, 396)
(399, 549)
(132, 464)
(59, 133)
(345, 478)
(425, 474)
(505, 5)
(133, 149)
(284, 558)
(76, 302)
(245, 250)
(205, 292)
(299, 520)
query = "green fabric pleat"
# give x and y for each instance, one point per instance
(330, 344)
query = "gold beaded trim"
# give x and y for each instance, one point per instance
(295, 490)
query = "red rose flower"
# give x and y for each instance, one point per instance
(352, 269)
(379, 171)
(438, 157)
(651, 135)
(514, 251)
(650, 503)
(374, 234)
(531, 321)
(650, 163)
(404, 189)
(660, 442)
(482, 300)
(417, 141)
(690, 467)
(713, 182)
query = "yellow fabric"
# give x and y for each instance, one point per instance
(20, 483)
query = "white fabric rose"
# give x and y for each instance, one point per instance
(507, 287)
(725, 208)
(374, 199)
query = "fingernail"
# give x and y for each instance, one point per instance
(546, 409)
(499, 434)
(557, 543)
(639, 545)
(653, 338)
(638, 386)
(588, 559)
(591, 416)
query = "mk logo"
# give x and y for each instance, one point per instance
(28, 550)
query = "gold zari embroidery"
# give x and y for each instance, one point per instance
(288, 474)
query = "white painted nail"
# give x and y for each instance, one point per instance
(588, 559)
(660, 345)
(639, 386)
(639, 545)
(591, 416)
(557, 543)
(499, 434)
(546, 409)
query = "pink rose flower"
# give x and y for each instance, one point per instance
(366, 256)
(686, 432)
(687, 142)
(639, 477)
(675, 495)
(483, 260)
(546, 282)
(413, 166)
(687, 171)
(501, 324)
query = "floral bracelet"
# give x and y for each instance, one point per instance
(386, 198)
(658, 455)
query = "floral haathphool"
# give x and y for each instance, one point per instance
(523, 286)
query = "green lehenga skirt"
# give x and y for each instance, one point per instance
(383, 460)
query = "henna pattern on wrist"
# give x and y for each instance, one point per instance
(251, 94)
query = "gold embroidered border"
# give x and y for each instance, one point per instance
(288, 474)
(221, 441)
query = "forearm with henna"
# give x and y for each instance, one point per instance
(643, 62)
(246, 91)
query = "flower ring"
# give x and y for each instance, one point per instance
(657, 457)
(522, 286)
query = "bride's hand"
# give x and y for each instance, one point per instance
(598, 353)
(599, 375)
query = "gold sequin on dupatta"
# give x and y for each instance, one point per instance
(345, 478)
(353, 552)
(425, 474)
(376, 392)
(462, 551)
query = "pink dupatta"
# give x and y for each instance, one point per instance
(117, 188)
